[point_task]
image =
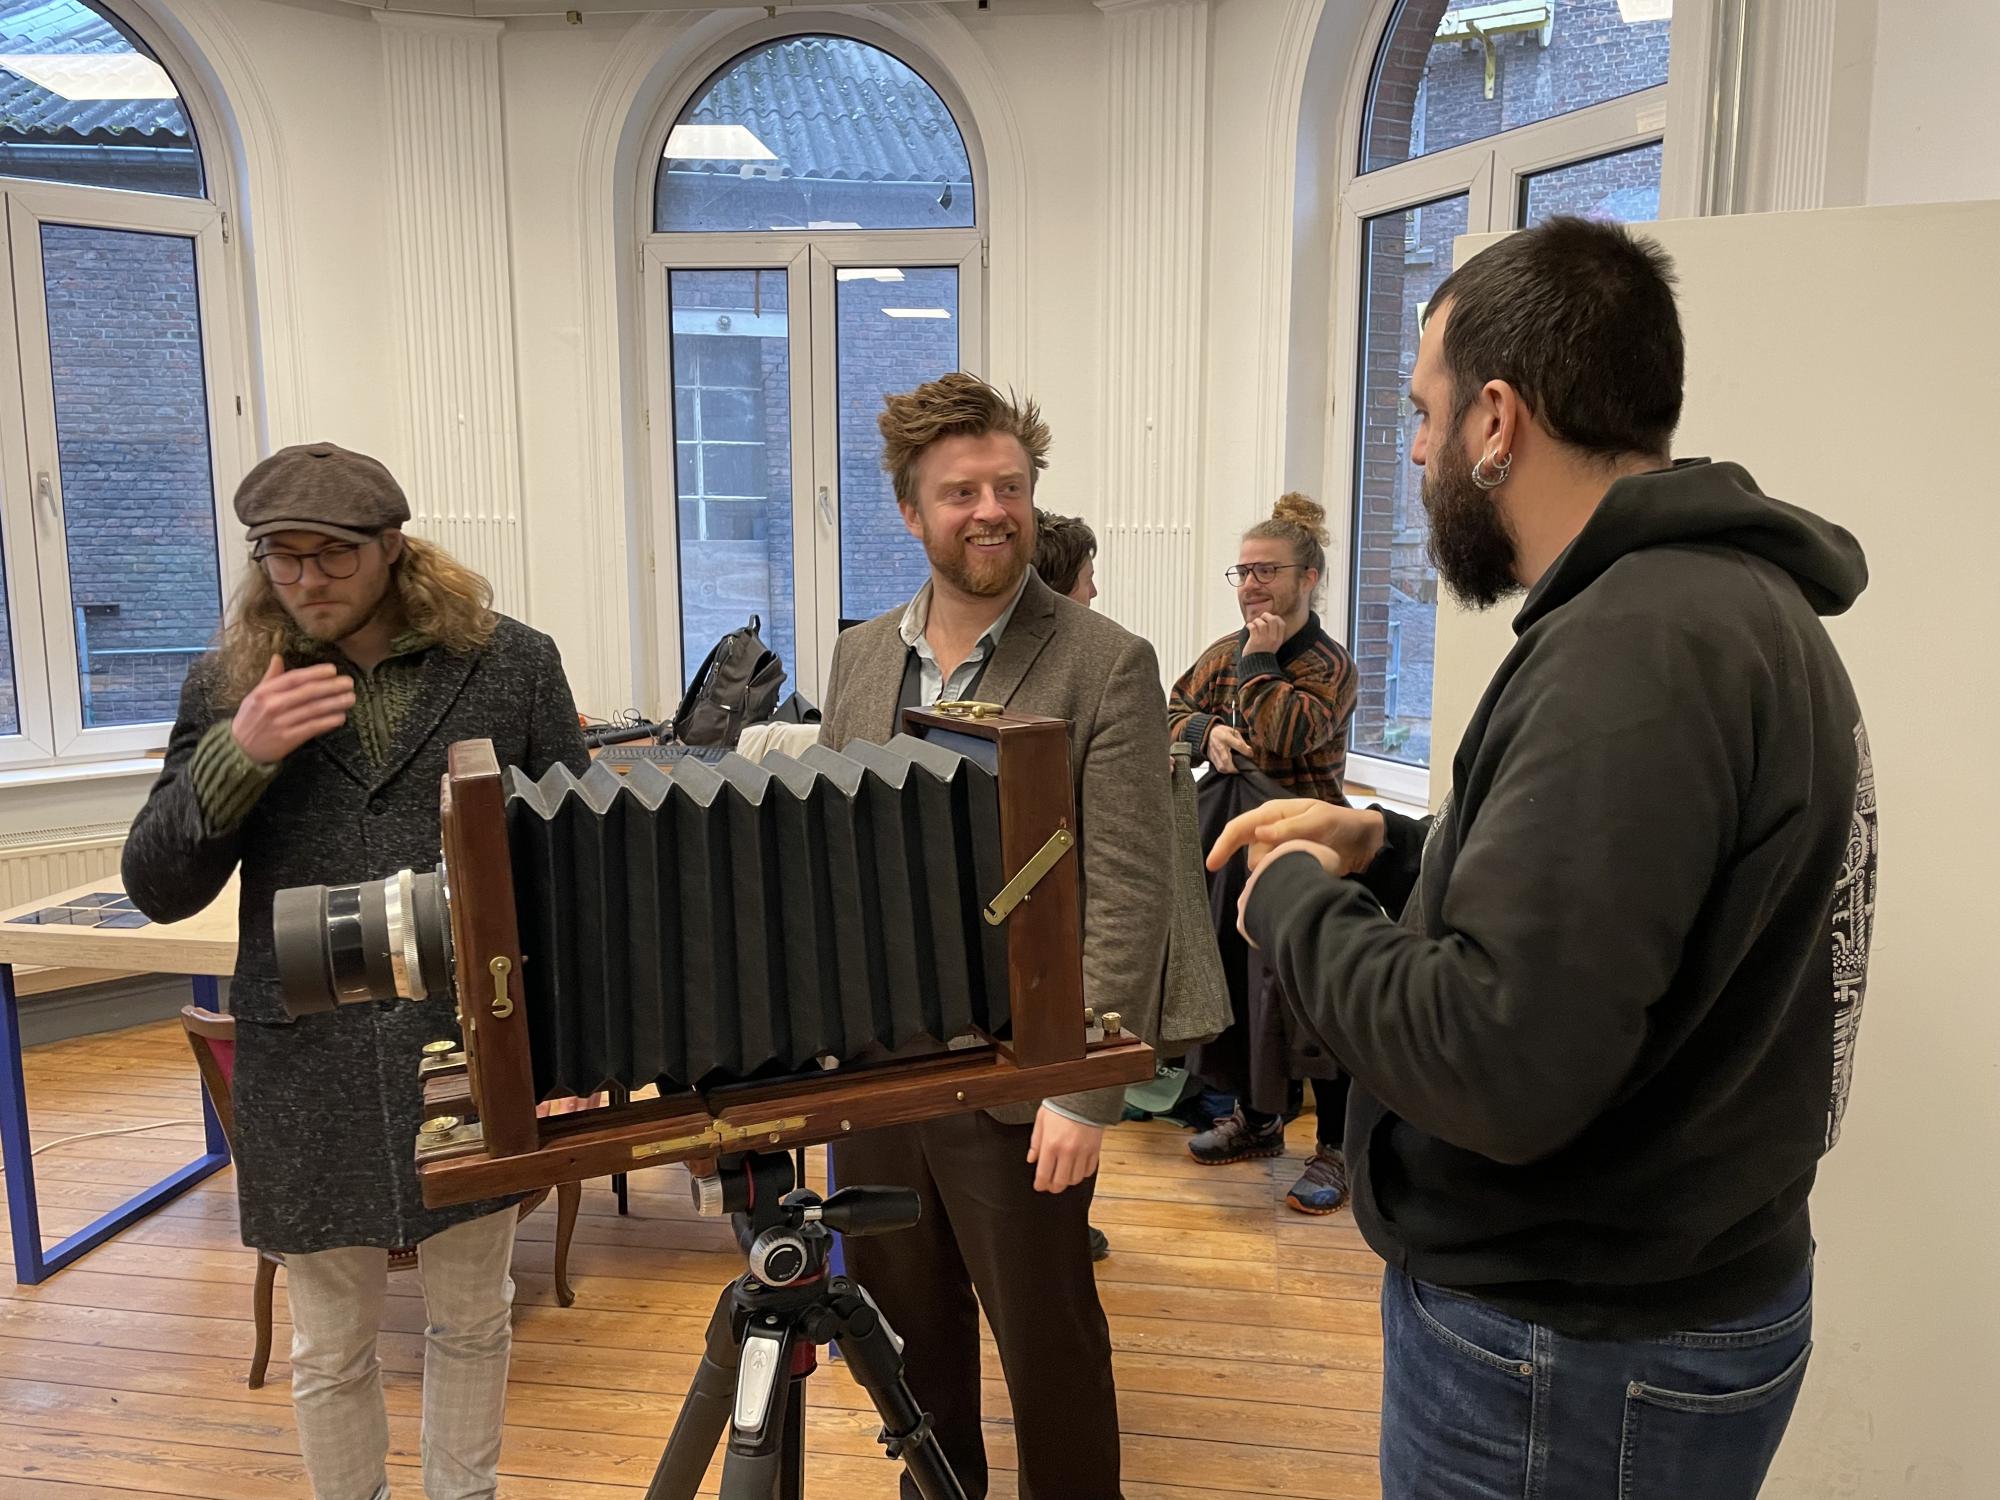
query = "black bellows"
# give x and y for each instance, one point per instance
(745, 920)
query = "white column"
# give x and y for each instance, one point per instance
(1156, 196)
(1790, 112)
(448, 172)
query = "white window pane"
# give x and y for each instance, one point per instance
(731, 354)
(131, 403)
(881, 350)
(1405, 257)
(1452, 73)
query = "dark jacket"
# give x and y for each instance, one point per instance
(1260, 1053)
(1596, 1065)
(327, 1108)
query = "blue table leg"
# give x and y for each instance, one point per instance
(31, 1264)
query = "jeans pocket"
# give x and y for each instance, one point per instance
(1713, 1442)
(1469, 1327)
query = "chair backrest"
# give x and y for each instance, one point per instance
(212, 1039)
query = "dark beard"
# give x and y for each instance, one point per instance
(1470, 543)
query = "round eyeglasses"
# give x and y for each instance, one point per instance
(1263, 572)
(341, 560)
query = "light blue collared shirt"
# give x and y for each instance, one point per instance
(936, 687)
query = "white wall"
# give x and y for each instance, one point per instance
(1905, 1379)
(1934, 135)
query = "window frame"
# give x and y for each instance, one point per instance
(1491, 172)
(52, 741)
(810, 259)
(809, 263)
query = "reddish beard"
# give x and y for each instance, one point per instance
(975, 571)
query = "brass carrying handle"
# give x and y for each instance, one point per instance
(967, 708)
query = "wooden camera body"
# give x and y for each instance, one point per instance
(484, 1138)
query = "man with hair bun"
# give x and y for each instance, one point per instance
(1275, 697)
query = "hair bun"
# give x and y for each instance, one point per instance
(1302, 511)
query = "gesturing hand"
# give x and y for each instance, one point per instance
(1063, 1152)
(1228, 750)
(1345, 838)
(287, 708)
(1267, 634)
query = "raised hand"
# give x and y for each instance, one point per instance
(1267, 634)
(287, 708)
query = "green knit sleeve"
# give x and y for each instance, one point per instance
(227, 782)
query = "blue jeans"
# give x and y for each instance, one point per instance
(1477, 1405)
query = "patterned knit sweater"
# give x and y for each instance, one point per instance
(1293, 706)
(228, 782)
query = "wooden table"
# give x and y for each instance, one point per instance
(204, 948)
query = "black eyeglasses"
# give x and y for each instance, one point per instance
(1263, 572)
(341, 560)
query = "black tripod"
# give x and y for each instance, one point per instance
(768, 1324)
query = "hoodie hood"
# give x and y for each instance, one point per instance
(1697, 503)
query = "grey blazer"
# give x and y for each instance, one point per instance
(1068, 662)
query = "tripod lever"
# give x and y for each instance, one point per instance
(868, 1210)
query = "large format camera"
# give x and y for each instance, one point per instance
(781, 949)
(723, 923)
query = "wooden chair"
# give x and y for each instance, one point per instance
(212, 1038)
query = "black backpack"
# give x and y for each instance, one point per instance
(736, 684)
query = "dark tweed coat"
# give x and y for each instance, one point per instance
(327, 1108)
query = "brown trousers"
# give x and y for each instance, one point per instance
(1027, 1255)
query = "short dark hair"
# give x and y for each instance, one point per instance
(1063, 544)
(1579, 317)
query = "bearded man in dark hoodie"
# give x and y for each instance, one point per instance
(1596, 1061)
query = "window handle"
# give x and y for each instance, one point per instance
(45, 491)
(826, 507)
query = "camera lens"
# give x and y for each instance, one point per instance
(376, 940)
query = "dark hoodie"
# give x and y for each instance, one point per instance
(1597, 1062)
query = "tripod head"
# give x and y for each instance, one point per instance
(785, 1230)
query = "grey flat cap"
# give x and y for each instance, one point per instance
(320, 487)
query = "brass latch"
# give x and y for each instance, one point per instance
(967, 708)
(720, 1135)
(503, 1003)
(1030, 875)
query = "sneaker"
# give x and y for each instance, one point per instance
(1322, 1186)
(1233, 1138)
(1099, 1245)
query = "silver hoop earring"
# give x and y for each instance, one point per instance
(1502, 467)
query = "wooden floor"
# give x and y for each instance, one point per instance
(1248, 1347)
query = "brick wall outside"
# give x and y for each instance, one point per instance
(726, 579)
(137, 487)
(1593, 55)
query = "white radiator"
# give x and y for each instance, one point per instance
(47, 861)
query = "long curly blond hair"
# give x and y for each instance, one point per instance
(435, 594)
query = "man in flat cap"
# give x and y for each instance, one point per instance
(308, 750)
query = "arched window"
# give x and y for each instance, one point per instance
(1482, 115)
(110, 329)
(816, 245)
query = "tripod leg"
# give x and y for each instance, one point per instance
(875, 1356)
(704, 1413)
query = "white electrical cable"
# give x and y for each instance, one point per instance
(91, 1135)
